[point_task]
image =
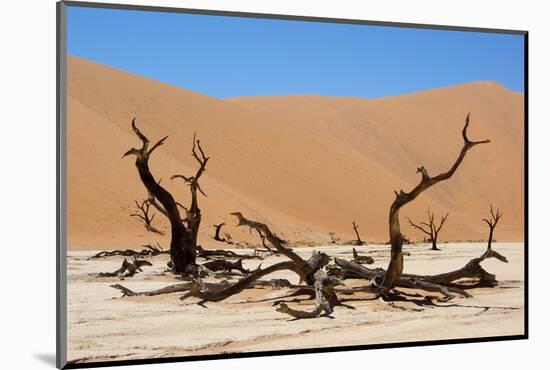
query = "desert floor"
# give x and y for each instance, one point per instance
(102, 326)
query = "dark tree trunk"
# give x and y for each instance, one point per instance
(217, 236)
(495, 216)
(183, 243)
(358, 240)
(395, 267)
(183, 239)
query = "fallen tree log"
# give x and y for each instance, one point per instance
(307, 268)
(325, 298)
(207, 253)
(205, 293)
(184, 287)
(304, 269)
(148, 250)
(126, 292)
(127, 269)
(224, 265)
(445, 283)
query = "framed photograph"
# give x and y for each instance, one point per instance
(235, 184)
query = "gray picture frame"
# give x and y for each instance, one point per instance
(61, 186)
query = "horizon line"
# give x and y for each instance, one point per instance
(471, 82)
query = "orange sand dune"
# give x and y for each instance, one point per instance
(307, 165)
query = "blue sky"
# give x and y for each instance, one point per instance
(229, 56)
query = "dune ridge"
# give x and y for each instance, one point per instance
(308, 165)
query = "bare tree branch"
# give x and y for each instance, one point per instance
(147, 219)
(358, 241)
(492, 223)
(325, 298)
(395, 268)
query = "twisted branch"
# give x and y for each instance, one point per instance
(395, 268)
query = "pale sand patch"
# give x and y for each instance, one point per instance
(103, 326)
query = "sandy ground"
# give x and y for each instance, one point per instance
(306, 165)
(103, 326)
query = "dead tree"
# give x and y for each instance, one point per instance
(126, 292)
(208, 253)
(446, 285)
(325, 298)
(358, 241)
(492, 223)
(220, 292)
(127, 269)
(183, 242)
(193, 213)
(430, 228)
(225, 266)
(304, 269)
(472, 275)
(148, 250)
(185, 287)
(321, 279)
(395, 267)
(147, 219)
(217, 236)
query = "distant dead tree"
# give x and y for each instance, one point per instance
(183, 244)
(430, 228)
(358, 241)
(395, 267)
(492, 223)
(226, 238)
(147, 219)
